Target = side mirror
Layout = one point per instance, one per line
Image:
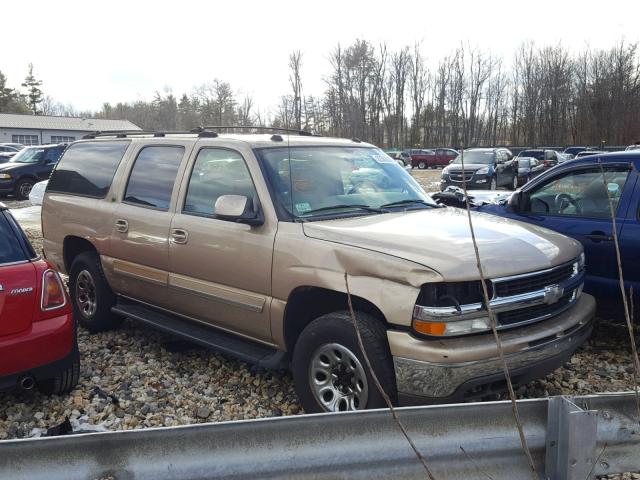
(239, 209)
(516, 201)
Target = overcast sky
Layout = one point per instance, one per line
(87, 53)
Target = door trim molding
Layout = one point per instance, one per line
(217, 292)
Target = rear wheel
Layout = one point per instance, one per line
(329, 370)
(65, 380)
(23, 188)
(91, 295)
(422, 165)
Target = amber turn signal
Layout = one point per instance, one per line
(429, 328)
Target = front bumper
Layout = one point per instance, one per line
(44, 343)
(457, 369)
(7, 186)
(477, 182)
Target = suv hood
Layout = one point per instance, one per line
(6, 167)
(439, 239)
(467, 166)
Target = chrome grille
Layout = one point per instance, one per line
(525, 315)
(531, 282)
(458, 176)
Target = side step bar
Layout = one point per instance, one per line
(210, 337)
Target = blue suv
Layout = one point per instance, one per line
(572, 199)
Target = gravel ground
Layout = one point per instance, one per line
(135, 377)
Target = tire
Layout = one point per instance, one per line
(422, 165)
(23, 188)
(91, 295)
(65, 380)
(493, 185)
(335, 332)
(514, 183)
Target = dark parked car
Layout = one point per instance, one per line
(571, 199)
(528, 168)
(484, 168)
(6, 156)
(573, 151)
(588, 153)
(549, 158)
(6, 148)
(28, 167)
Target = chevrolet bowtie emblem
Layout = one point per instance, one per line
(552, 294)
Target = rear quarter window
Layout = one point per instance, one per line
(87, 168)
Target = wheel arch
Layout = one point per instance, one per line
(307, 303)
(72, 247)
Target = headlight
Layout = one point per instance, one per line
(450, 308)
(5, 176)
(483, 171)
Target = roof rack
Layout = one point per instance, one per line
(304, 133)
(208, 131)
(156, 133)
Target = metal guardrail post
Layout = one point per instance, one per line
(571, 440)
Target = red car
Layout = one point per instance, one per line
(434, 158)
(38, 346)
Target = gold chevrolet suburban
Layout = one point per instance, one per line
(241, 242)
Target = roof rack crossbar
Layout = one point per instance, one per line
(133, 133)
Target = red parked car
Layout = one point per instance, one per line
(38, 346)
(434, 158)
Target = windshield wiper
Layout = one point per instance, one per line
(408, 202)
(339, 207)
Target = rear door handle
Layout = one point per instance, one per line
(122, 225)
(179, 235)
(599, 237)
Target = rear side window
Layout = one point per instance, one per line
(10, 250)
(88, 168)
(153, 175)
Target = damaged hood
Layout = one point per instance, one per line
(440, 239)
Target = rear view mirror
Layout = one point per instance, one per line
(237, 208)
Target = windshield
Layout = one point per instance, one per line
(483, 157)
(28, 155)
(320, 181)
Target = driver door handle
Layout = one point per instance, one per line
(179, 235)
(122, 225)
(598, 236)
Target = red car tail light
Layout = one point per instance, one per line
(53, 294)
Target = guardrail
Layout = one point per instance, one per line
(570, 438)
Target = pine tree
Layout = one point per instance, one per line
(34, 93)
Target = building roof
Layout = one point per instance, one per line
(48, 122)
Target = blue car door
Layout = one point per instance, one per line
(630, 239)
(575, 203)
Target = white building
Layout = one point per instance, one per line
(43, 129)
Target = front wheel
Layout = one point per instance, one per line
(329, 370)
(514, 183)
(422, 165)
(494, 184)
(23, 188)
